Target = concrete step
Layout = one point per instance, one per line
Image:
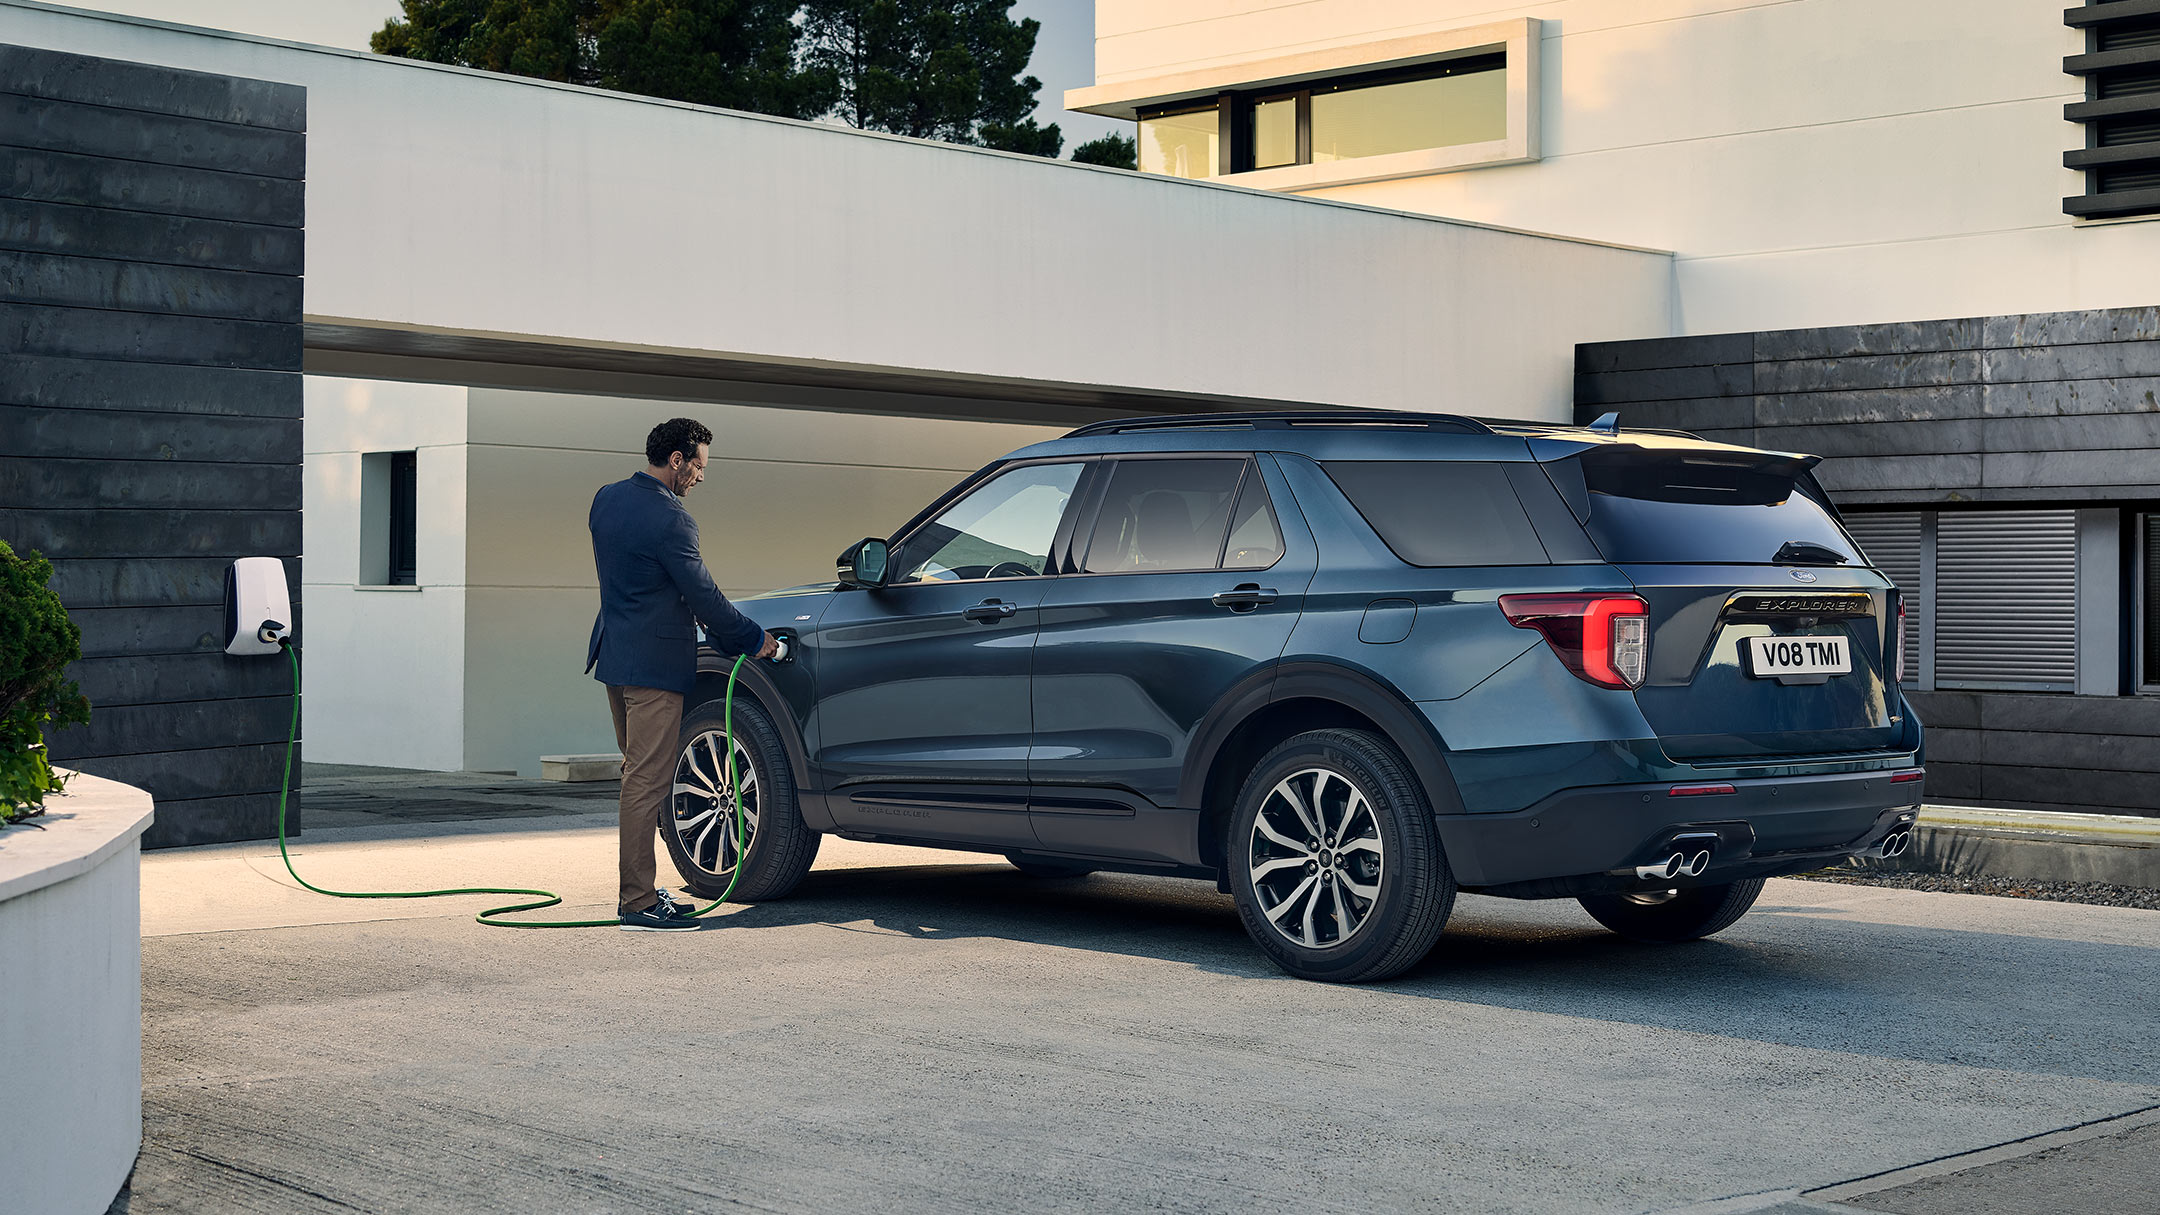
(2041, 846)
(580, 767)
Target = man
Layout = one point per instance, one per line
(653, 589)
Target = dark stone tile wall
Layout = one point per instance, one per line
(151, 231)
(2048, 408)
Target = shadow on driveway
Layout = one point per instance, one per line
(1807, 977)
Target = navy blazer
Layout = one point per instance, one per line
(653, 590)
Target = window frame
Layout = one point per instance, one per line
(1517, 40)
(2141, 604)
(1059, 536)
(1084, 527)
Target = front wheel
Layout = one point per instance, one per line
(705, 838)
(1664, 916)
(1334, 859)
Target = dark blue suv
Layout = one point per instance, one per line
(1344, 664)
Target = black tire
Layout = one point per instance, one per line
(701, 842)
(1680, 915)
(1414, 889)
(1040, 867)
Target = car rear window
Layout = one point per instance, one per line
(1674, 507)
(1435, 514)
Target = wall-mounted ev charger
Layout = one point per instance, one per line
(258, 611)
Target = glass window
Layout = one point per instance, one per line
(1255, 540)
(1439, 112)
(1164, 515)
(1001, 529)
(1274, 133)
(1434, 513)
(1180, 145)
(1663, 507)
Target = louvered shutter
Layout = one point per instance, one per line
(1890, 540)
(2006, 599)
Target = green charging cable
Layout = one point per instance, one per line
(542, 898)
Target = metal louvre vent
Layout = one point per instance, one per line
(2120, 70)
(1890, 540)
(2006, 600)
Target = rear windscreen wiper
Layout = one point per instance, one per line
(1807, 552)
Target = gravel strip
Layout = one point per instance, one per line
(2099, 894)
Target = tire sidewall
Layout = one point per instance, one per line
(1402, 860)
(776, 793)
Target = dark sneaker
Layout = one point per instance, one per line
(667, 915)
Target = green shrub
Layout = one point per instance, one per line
(37, 642)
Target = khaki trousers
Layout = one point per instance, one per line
(647, 723)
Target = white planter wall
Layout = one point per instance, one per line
(71, 999)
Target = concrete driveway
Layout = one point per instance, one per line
(924, 1031)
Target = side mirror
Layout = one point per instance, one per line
(863, 564)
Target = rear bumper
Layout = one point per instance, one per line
(1589, 840)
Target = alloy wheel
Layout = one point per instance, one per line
(1315, 858)
(704, 807)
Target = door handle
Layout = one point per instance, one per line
(1246, 597)
(989, 611)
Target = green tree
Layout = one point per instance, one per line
(947, 71)
(37, 642)
(734, 53)
(1115, 150)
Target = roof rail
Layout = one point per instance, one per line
(1514, 424)
(1287, 418)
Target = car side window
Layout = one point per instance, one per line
(1255, 538)
(1164, 515)
(1000, 529)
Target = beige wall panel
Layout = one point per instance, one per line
(1149, 37)
(619, 424)
(1942, 173)
(383, 677)
(330, 519)
(762, 524)
(2043, 270)
(381, 415)
(526, 693)
(383, 672)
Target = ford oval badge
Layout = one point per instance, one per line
(1801, 575)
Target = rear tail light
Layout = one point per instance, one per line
(1602, 638)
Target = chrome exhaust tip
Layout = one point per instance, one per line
(1899, 842)
(1698, 863)
(1671, 867)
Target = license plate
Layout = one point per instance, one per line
(1769, 657)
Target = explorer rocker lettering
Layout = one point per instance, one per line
(1344, 664)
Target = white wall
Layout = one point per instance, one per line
(383, 668)
(443, 199)
(785, 491)
(1810, 162)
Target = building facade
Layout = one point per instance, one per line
(1915, 239)
(508, 281)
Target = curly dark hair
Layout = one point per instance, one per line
(673, 435)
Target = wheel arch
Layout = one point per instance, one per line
(711, 686)
(1291, 699)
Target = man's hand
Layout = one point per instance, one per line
(770, 648)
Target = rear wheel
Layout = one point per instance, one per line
(1334, 859)
(1661, 916)
(703, 835)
